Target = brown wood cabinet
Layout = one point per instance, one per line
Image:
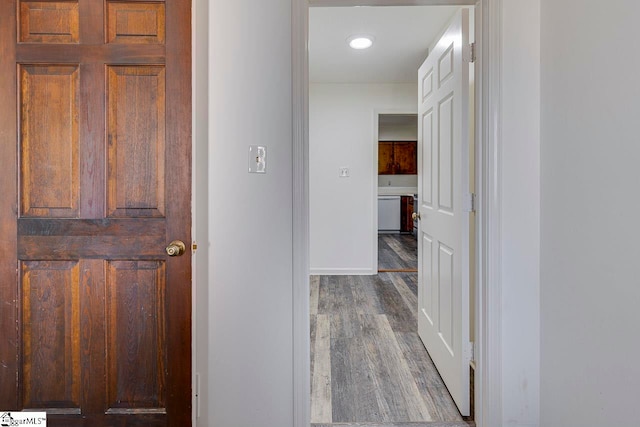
(385, 158)
(406, 212)
(397, 158)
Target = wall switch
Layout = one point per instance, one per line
(343, 172)
(257, 159)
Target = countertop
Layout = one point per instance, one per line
(397, 191)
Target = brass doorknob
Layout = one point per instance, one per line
(415, 215)
(176, 248)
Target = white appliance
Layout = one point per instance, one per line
(389, 213)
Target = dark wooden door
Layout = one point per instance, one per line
(95, 149)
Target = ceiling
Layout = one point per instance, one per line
(402, 37)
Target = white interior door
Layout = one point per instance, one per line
(443, 249)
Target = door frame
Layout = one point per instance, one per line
(488, 292)
(377, 112)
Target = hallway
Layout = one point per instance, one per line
(368, 365)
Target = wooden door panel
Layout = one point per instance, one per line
(136, 139)
(136, 343)
(135, 22)
(49, 141)
(48, 22)
(96, 324)
(50, 334)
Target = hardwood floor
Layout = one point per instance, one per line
(369, 367)
(397, 252)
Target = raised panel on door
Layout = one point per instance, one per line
(426, 159)
(136, 140)
(48, 21)
(49, 140)
(135, 22)
(429, 296)
(446, 65)
(426, 84)
(445, 283)
(50, 335)
(136, 342)
(96, 324)
(445, 154)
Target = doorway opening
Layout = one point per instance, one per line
(354, 312)
(396, 178)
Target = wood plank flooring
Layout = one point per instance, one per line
(397, 252)
(368, 363)
(369, 367)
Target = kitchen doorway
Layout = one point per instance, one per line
(396, 175)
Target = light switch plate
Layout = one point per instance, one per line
(257, 159)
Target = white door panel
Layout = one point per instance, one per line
(443, 318)
(426, 157)
(428, 292)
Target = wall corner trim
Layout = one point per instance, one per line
(300, 188)
(489, 175)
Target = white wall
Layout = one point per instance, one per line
(398, 181)
(398, 132)
(590, 235)
(520, 213)
(250, 216)
(341, 134)
(249, 301)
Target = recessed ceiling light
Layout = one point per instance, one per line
(360, 42)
